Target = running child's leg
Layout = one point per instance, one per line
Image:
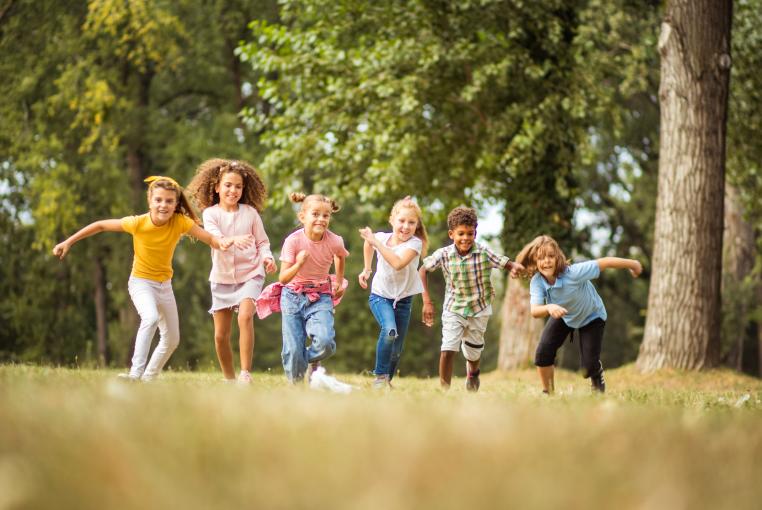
(222, 327)
(294, 353)
(384, 313)
(590, 343)
(320, 330)
(552, 338)
(169, 332)
(472, 348)
(144, 298)
(453, 327)
(402, 320)
(246, 331)
(446, 362)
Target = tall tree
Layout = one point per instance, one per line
(683, 322)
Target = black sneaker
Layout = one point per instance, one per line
(598, 382)
(472, 381)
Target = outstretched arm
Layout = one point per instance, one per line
(514, 268)
(213, 241)
(632, 265)
(115, 225)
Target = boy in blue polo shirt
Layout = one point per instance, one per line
(564, 292)
(466, 265)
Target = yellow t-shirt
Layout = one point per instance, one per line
(154, 246)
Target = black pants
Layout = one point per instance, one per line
(590, 340)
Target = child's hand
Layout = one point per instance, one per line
(270, 266)
(556, 311)
(367, 234)
(337, 290)
(636, 269)
(516, 269)
(61, 250)
(302, 256)
(243, 242)
(225, 243)
(363, 279)
(428, 314)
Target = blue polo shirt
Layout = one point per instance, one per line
(572, 290)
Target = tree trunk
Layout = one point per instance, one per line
(519, 333)
(738, 262)
(101, 307)
(683, 323)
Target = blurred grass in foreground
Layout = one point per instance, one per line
(83, 439)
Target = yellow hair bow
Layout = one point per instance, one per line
(155, 178)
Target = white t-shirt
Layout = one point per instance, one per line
(390, 283)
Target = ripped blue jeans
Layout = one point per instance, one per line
(302, 320)
(394, 322)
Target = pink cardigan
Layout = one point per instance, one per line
(236, 265)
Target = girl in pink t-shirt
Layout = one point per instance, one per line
(231, 195)
(306, 300)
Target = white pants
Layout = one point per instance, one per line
(157, 308)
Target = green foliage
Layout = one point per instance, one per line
(152, 81)
(443, 99)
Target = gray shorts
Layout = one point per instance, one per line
(229, 295)
(464, 333)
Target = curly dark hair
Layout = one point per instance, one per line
(209, 174)
(461, 216)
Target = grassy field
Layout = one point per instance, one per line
(84, 439)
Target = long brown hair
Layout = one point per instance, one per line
(540, 247)
(209, 175)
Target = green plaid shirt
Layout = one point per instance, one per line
(468, 288)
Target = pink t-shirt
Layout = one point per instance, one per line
(318, 264)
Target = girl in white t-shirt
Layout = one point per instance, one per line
(395, 283)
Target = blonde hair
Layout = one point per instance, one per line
(183, 204)
(420, 229)
(305, 200)
(540, 247)
(209, 174)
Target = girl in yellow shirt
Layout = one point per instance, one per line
(154, 238)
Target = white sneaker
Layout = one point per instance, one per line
(244, 378)
(320, 380)
(126, 376)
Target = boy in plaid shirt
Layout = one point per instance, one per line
(466, 265)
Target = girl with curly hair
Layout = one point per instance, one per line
(231, 195)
